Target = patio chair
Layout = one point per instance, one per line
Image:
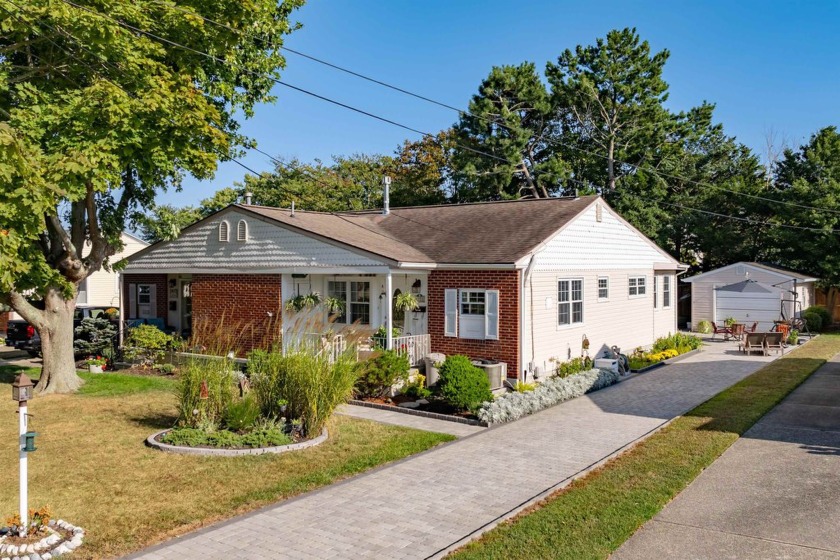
(737, 331)
(725, 331)
(753, 327)
(754, 342)
(774, 340)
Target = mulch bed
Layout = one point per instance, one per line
(436, 405)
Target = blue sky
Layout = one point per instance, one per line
(768, 66)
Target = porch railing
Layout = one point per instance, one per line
(415, 346)
(333, 345)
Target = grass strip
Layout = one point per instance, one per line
(594, 515)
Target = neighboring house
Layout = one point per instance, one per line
(750, 292)
(523, 282)
(102, 288)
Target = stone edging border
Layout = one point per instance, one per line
(423, 413)
(152, 441)
(53, 545)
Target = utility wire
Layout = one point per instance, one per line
(463, 112)
(324, 98)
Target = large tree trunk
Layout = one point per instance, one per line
(56, 331)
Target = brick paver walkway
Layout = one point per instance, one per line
(427, 504)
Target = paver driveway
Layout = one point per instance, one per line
(423, 506)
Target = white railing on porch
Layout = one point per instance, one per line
(415, 347)
(332, 345)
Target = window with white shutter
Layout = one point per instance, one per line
(491, 315)
(450, 327)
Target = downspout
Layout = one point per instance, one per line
(389, 306)
(526, 278)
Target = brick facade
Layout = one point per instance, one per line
(158, 280)
(506, 349)
(248, 305)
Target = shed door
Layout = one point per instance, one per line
(748, 308)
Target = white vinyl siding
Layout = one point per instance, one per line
(103, 286)
(269, 247)
(636, 286)
(621, 321)
(471, 314)
(569, 301)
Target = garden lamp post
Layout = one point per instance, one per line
(22, 392)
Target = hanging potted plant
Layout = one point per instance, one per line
(406, 302)
(334, 306)
(303, 301)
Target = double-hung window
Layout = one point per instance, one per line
(357, 306)
(569, 302)
(471, 313)
(636, 286)
(666, 291)
(603, 288)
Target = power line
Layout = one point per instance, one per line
(729, 217)
(221, 61)
(502, 125)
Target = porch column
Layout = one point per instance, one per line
(389, 311)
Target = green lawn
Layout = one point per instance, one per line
(93, 469)
(596, 514)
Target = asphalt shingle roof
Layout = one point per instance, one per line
(481, 233)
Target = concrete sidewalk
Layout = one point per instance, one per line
(428, 504)
(774, 494)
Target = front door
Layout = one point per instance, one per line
(186, 308)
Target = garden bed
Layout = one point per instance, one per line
(667, 361)
(51, 541)
(155, 442)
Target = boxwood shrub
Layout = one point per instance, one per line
(462, 385)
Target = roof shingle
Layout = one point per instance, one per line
(480, 233)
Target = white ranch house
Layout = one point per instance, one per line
(523, 282)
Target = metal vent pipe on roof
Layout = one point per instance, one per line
(386, 200)
(248, 196)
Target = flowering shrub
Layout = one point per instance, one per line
(513, 406)
(97, 361)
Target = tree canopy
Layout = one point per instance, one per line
(98, 115)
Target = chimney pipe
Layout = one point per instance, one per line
(248, 196)
(293, 209)
(386, 181)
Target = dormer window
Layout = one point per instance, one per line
(242, 231)
(224, 231)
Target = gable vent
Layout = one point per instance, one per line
(599, 213)
(224, 231)
(242, 231)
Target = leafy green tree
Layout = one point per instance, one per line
(349, 183)
(165, 221)
(96, 119)
(423, 169)
(512, 119)
(609, 97)
(810, 177)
